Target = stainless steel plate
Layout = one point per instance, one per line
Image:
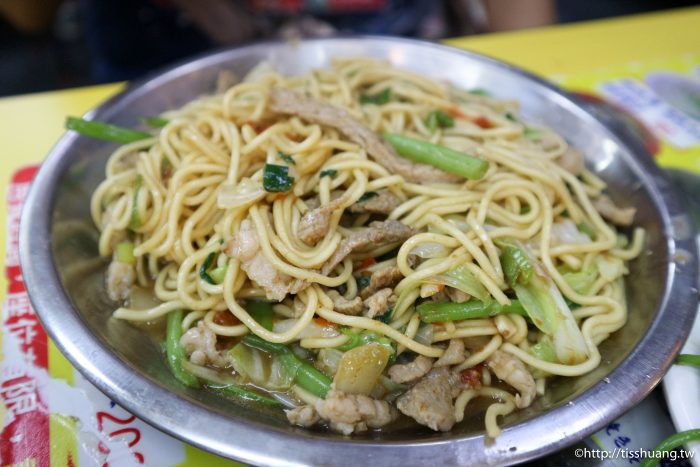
(65, 278)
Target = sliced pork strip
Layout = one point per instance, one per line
(512, 370)
(454, 354)
(200, 344)
(246, 248)
(304, 415)
(430, 401)
(353, 413)
(120, 278)
(383, 278)
(383, 203)
(343, 305)
(316, 223)
(377, 234)
(379, 303)
(412, 371)
(313, 110)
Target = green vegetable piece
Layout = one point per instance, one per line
(480, 92)
(586, 229)
(431, 312)
(688, 359)
(531, 132)
(581, 281)
(362, 282)
(305, 375)
(367, 196)
(218, 274)
(463, 279)
(105, 131)
(543, 302)
(174, 351)
(135, 219)
(516, 266)
(328, 173)
(155, 122)
(386, 317)
(510, 116)
(440, 157)
(438, 119)
(669, 444)
(261, 312)
(286, 157)
(380, 98)
(276, 178)
(204, 268)
(544, 350)
(250, 395)
(125, 252)
(367, 337)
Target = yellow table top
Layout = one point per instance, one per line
(30, 124)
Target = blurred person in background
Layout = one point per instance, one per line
(129, 37)
(123, 39)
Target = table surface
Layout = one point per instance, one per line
(31, 124)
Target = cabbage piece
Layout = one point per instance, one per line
(610, 267)
(581, 281)
(566, 232)
(429, 250)
(545, 305)
(328, 361)
(260, 369)
(462, 279)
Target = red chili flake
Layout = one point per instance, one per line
(323, 322)
(225, 318)
(367, 262)
(456, 113)
(483, 122)
(472, 376)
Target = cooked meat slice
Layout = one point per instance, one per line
(316, 223)
(245, 247)
(620, 216)
(313, 110)
(120, 278)
(343, 305)
(408, 372)
(348, 413)
(511, 370)
(383, 203)
(454, 354)
(377, 234)
(304, 415)
(200, 344)
(430, 401)
(379, 303)
(571, 161)
(386, 277)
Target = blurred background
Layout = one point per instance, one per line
(53, 44)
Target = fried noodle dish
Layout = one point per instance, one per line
(361, 244)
